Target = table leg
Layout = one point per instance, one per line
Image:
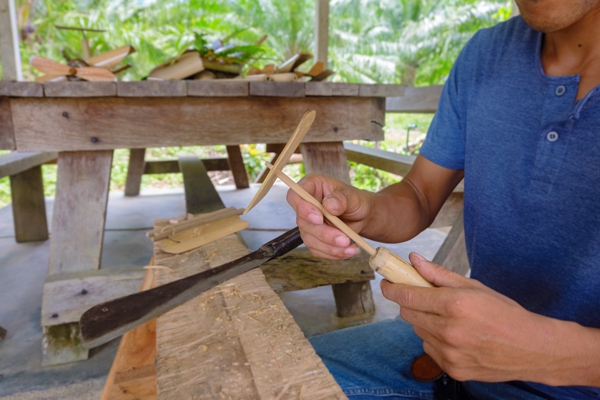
(238, 169)
(330, 159)
(77, 236)
(135, 170)
(29, 207)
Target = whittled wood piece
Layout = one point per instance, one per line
(203, 234)
(338, 223)
(284, 156)
(163, 232)
(383, 261)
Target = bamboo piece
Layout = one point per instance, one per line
(111, 58)
(180, 67)
(206, 234)
(383, 261)
(286, 77)
(288, 150)
(168, 230)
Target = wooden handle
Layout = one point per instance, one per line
(338, 223)
(395, 269)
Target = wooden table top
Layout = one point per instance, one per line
(82, 116)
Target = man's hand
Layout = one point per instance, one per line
(350, 204)
(475, 333)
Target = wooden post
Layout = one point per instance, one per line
(321, 30)
(10, 54)
(453, 253)
(330, 159)
(29, 207)
(238, 169)
(135, 170)
(76, 245)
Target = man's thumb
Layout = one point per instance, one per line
(434, 273)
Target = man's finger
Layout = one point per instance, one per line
(438, 275)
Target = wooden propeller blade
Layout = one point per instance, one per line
(50, 67)
(94, 74)
(288, 150)
(111, 58)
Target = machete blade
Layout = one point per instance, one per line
(111, 319)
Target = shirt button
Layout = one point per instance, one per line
(560, 90)
(552, 136)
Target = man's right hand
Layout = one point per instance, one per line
(350, 204)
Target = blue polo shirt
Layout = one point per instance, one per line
(531, 156)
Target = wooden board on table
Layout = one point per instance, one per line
(235, 341)
(111, 123)
(80, 89)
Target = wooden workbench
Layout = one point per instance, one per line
(86, 121)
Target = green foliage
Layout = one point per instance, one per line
(413, 42)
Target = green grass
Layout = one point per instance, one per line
(254, 158)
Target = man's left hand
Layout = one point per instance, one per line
(472, 331)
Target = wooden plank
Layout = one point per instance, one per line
(200, 194)
(416, 100)
(217, 88)
(133, 372)
(453, 253)
(299, 270)
(172, 166)
(378, 111)
(345, 89)
(330, 159)
(2, 333)
(235, 341)
(68, 296)
(80, 89)
(135, 170)
(79, 211)
(10, 53)
(238, 169)
(381, 90)
(152, 89)
(388, 161)
(321, 30)
(29, 206)
(319, 88)
(21, 89)
(277, 89)
(17, 162)
(111, 123)
(7, 136)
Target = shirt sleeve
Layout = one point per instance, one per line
(445, 141)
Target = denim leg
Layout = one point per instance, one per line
(373, 361)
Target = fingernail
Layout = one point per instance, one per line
(333, 203)
(315, 218)
(342, 241)
(351, 251)
(418, 256)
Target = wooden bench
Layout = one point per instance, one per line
(156, 360)
(138, 166)
(27, 193)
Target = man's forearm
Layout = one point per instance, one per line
(398, 214)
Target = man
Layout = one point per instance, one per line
(519, 119)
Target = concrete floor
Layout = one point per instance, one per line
(23, 269)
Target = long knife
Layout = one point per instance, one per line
(111, 319)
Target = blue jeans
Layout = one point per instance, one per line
(373, 361)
